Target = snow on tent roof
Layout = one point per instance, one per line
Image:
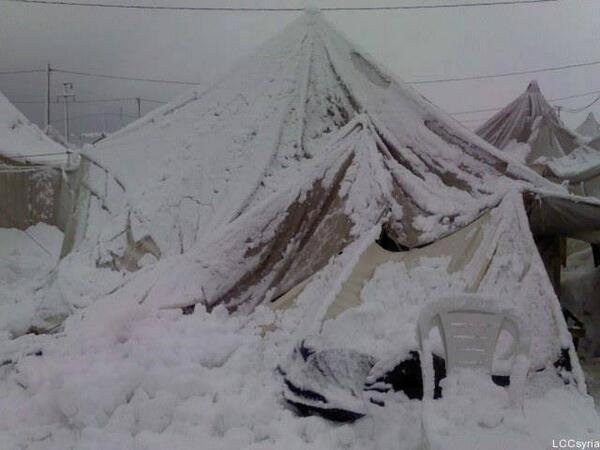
(589, 127)
(23, 141)
(199, 162)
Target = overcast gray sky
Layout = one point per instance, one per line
(199, 46)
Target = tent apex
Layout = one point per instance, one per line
(533, 86)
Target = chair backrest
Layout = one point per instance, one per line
(470, 337)
(470, 326)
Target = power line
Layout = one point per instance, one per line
(95, 100)
(17, 72)
(416, 82)
(578, 110)
(277, 9)
(119, 77)
(508, 74)
(554, 99)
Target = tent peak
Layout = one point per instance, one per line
(533, 87)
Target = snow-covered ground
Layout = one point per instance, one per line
(26, 259)
(126, 375)
(25, 254)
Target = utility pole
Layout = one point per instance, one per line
(139, 106)
(48, 70)
(66, 95)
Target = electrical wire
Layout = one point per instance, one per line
(99, 100)
(507, 74)
(278, 9)
(578, 110)
(120, 77)
(16, 72)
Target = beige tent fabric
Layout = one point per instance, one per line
(495, 255)
(294, 234)
(551, 215)
(460, 246)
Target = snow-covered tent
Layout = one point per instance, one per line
(285, 187)
(589, 127)
(172, 178)
(530, 130)
(22, 141)
(362, 243)
(362, 182)
(30, 181)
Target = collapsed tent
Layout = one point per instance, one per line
(589, 127)
(380, 294)
(30, 180)
(169, 180)
(314, 255)
(529, 129)
(282, 219)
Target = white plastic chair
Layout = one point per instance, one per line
(470, 326)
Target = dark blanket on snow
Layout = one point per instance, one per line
(338, 383)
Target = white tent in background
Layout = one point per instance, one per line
(530, 130)
(589, 127)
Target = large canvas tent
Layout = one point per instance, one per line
(358, 148)
(529, 129)
(315, 254)
(345, 232)
(170, 179)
